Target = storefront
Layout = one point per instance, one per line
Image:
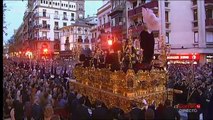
(183, 59)
(209, 58)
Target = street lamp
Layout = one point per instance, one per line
(45, 51)
(29, 54)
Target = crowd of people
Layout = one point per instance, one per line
(40, 90)
(196, 83)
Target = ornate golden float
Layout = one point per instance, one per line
(119, 89)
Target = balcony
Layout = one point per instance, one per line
(42, 26)
(107, 25)
(168, 25)
(209, 24)
(117, 9)
(46, 26)
(195, 24)
(56, 17)
(117, 28)
(135, 29)
(131, 12)
(138, 10)
(208, 1)
(93, 40)
(56, 28)
(56, 39)
(65, 18)
(43, 38)
(41, 15)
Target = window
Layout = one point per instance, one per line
(56, 26)
(50, 3)
(46, 2)
(62, 5)
(209, 13)
(67, 44)
(72, 16)
(195, 14)
(56, 15)
(85, 30)
(79, 29)
(167, 16)
(65, 15)
(44, 22)
(70, 6)
(67, 40)
(44, 34)
(64, 24)
(194, 2)
(80, 39)
(86, 40)
(41, 1)
(56, 35)
(196, 37)
(167, 37)
(209, 37)
(66, 5)
(44, 12)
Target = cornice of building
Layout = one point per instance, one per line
(54, 8)
(99, 12)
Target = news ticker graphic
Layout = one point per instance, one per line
(189, 108)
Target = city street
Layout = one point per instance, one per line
(108, 59)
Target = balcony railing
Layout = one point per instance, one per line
(195, 24)
(56, 17)
(56, 28)
(107, 25)
(65, 18)
(131, 12)
(93, 40)
(138, 10)
(42, 26)
(36, 15)
(209, 22)
(136, 29)
(208, 1)
(42, 38)
(194, 2)
(167, 25)
(117, 28)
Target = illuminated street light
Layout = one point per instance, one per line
(110, 42)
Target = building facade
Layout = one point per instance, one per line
(189, 35)
(76, 36)
(42, 21)
(104, 24)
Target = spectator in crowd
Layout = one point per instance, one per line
(173, 113)
(100, 112)
(136, 113)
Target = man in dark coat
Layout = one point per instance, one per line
(136, 113)
(210, 109)
(37, 112)
(173, 113)
(147, 43)
(19, 110)
(100, 112)
(82, 110)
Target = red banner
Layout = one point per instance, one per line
(183, 57)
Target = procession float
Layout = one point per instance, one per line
(118, 88)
